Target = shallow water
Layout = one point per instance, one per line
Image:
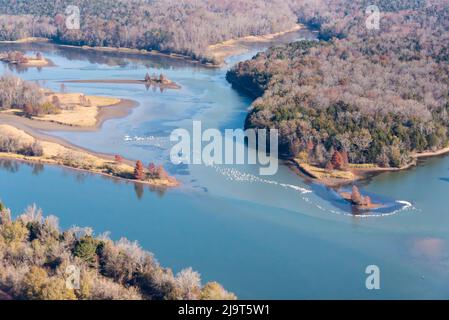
(261, 237)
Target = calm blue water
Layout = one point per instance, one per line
(270, 237)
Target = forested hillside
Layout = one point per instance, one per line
(185, 27)
(377, 95)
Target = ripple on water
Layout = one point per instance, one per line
(339, 206)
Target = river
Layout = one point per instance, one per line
(261, 237)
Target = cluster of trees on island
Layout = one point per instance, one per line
(17, 57)
(155, 78)
(39, 261)
(29, 97)
(186, 27)
(141, 173)
(377, 96)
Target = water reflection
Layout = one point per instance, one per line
(9, 165)
(38, 168)
(14, 166)
(138, 189)
(109, 58)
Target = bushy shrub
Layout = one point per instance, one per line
(86, 249)
(33, 150)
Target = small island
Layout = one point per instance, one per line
(359, 201)
(20, 59)
(155, 81)
(26, 109)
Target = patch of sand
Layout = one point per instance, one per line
(78, 109)
(26, 40)
(225, 49)
(431, 153)
(321, 173)
(33, 62)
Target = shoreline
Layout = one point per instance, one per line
(239, 45)
(44, 138)
(361, 174)
(171, 55)
(30, 160)
(26, 40)
(228, 48)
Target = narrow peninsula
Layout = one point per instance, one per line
(30, 109)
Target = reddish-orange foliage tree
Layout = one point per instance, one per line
(367, 201)
(337, 160)
(118, 158)
(161, 173)
(138, 171)
(356, 197)
(329, 166)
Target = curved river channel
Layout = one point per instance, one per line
(260, 236)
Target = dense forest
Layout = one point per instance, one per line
(185, 27)
(37, 260)
(376, 95)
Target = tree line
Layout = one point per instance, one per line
(186, 27)
(37, 260)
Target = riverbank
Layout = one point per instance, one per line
(355, 172)
(223, 50)
(55, 151)
(26, 40)
(217, 53)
